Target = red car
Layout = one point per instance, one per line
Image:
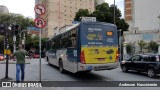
(1, 57)
(36, 56)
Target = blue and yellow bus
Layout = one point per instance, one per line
(84, 46)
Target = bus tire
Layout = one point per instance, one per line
(61, 66)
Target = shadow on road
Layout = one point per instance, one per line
(83, 76)
(142, 74)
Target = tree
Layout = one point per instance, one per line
(80, 13)
(16, 19)
(105, 13)
(142, 44)
(153, 47)
(129, 48)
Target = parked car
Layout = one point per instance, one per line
(1, 57)
(149, 63)
(36, 55)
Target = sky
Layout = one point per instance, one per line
(26, 7)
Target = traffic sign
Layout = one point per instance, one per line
(7, 51)
(32, 28)
(39, 22)
(39, 9)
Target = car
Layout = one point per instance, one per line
(1, 57)
(149, 63)
(36, 55)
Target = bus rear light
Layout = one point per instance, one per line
(117, 55)
(82, 57)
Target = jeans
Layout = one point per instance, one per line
(20, 67)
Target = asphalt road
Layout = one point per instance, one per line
(51, 73)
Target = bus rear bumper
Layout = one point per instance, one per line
(97, 67)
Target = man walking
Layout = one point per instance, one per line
(20, 65)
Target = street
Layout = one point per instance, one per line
(51, 73)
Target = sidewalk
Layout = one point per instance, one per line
(31, 70)
(14, 62)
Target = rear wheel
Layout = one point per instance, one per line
(124, 68)
(151, 73)
(61, 66)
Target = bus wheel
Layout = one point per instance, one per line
(61, 66)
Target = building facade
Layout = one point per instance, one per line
(97, 2)
(60, 13)
(142, 14)
(3, 9)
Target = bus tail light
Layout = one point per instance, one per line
(117, 56)
(82, 57)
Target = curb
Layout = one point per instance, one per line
(12, 62)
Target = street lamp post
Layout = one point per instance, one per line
(159, 33)
(114, 12)
(120, 45)
(159, 20)
(20, 41)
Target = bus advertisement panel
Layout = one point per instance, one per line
(99, 43)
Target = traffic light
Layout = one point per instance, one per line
(2, 30)
(15, 28)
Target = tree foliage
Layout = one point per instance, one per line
(153, 46)
(8, 19)
(129, 48)
(105, 13)
(142, 44)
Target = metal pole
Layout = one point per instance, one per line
(20, 41)
(120, 46)
(24, 40)
(40, 55)
(4, 47)
(7, 57)
(114, 12)
(14, 43)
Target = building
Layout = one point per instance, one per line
(142, 14)
(97, 2)
(3, 9)
(60, 13)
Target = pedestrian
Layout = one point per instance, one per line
(20, 64)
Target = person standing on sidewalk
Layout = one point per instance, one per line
(20, 65)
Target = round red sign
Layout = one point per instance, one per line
(39, 22)
(39, 9)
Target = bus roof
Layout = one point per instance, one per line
(102, 23)
(76, 25)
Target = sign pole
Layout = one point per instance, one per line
(40, 54)
(39, 23)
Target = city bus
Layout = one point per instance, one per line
(85, 46)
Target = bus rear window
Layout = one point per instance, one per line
(98, 35)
